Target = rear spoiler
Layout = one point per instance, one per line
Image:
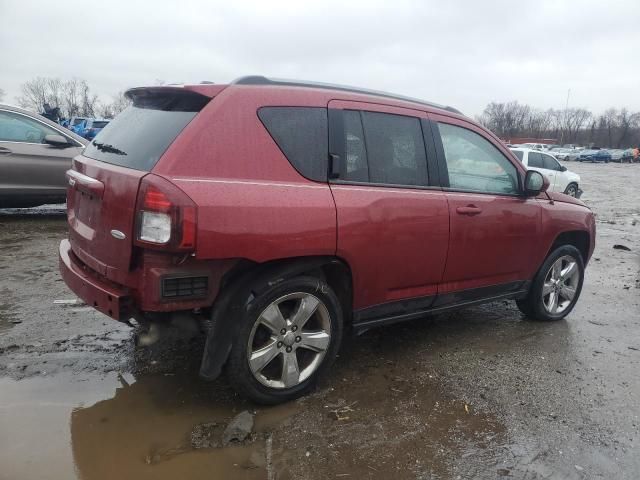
(207, 90)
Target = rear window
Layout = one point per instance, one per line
(139, 135)
(518, 153)
(302, 135)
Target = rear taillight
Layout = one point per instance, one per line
(165, 216)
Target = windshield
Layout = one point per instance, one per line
(98, 124)
(139, 135)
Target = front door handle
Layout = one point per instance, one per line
(5, 151)
(469, 210)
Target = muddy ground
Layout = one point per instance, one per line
(481, 393)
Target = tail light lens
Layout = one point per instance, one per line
(166, 217)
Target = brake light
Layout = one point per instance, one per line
(166, 217)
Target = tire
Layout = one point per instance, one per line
(539, 306)
(571, 190)
(265, 381)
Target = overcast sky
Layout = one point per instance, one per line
(460, 53)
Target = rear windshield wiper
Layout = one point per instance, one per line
(105, 147)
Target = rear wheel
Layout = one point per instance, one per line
(290, 335)
(556, 287)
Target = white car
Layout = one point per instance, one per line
(534, 146)
(567, 154)
(560, 179)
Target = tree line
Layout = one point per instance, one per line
(74, 97)
(614, 128)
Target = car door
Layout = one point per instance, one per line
(535, 161)
(393, 220)
(493, 227)
(556, 176)
(29, 168)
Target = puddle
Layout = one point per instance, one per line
(393, 423)
(68, 427)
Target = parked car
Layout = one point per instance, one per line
(280, 213)
(616, 154)
(594, 155)
(533, 146)
(565, 154)
(77, 124)
(93, 127)
(561, 180)
(35, 153)
(627, 155)
(621, 155)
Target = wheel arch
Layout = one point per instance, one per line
(577, 238)
(250, 279)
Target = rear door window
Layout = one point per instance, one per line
(395, 149)
(139, 135)
(302, 135)
(355, 166)
(383, 148)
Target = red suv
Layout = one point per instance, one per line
(281, 213)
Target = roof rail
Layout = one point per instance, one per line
(261, 80)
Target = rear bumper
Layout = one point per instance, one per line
(104, 297)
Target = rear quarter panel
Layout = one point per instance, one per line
(251, 202)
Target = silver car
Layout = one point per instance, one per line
(35, 153)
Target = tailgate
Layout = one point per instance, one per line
(101, 202)
(104, 180)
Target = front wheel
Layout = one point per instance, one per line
(572, 190)
(290, 335)
(556, 287)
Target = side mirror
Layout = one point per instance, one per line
(535, 183)
(56, 140)
(563, 168)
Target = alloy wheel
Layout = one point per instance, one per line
(289, 340)
(560, 284)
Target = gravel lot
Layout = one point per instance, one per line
(480, 393)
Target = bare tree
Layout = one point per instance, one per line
(40, 90)
(72, 97)
(574, 120)
(626, 122)
(118, 103)
(506, 119)
(88, 100)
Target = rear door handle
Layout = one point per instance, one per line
(469, 210)
(5, 151)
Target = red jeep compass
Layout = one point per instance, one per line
(280, 213)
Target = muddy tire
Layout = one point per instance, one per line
(289, 336)
(556, 287)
